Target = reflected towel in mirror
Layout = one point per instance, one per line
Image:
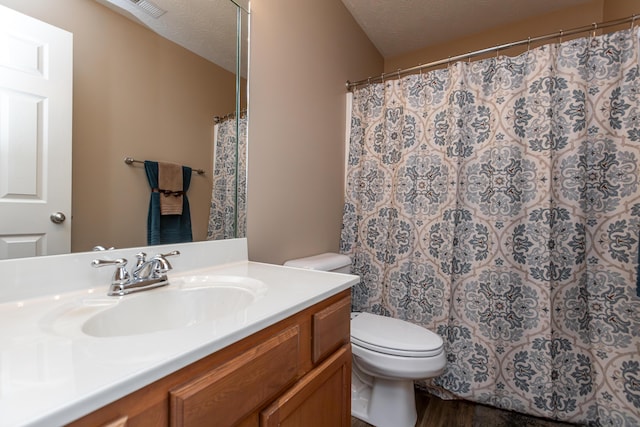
(165, 229)
(170, 188)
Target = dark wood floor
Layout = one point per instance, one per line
(435, 412)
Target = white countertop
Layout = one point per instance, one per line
(52, 373)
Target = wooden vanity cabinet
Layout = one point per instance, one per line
(296, 372)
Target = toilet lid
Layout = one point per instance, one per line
(393, 336)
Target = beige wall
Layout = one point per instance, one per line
(614, 9)
(302, 53)
(577, 16)
(135, 94)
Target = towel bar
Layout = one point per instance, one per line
(131, 160)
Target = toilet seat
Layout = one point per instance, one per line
(394, 336)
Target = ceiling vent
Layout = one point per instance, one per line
(149, 8)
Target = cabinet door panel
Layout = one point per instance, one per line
(227, 394)
(322, 398)
(331, 329)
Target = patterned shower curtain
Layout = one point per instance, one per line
(228, 200)
(498, 203)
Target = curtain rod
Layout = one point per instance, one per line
(218, 119)
(400, 72)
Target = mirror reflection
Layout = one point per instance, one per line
(138, 94)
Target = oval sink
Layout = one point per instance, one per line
(192, 301)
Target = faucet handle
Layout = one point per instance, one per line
(120, 262)
(162, 265)
(172, 253)
(121, 275)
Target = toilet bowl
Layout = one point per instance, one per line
(388, 355)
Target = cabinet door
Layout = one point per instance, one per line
(331, 329)
(322, 398)
(226, 395)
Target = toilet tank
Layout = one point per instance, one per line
(329, 261)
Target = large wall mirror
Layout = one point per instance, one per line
(169, 88)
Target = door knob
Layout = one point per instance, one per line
(57, 217)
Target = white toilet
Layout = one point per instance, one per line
(388, 355)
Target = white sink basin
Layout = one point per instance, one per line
(184, 302)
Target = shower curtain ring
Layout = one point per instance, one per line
(560, 38)
(633, 21)
(398, 73)
(528, 44)
(595, 27)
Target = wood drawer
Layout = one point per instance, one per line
(227, 394)
(331, 329)
(322, 398)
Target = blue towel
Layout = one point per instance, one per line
(165, 229)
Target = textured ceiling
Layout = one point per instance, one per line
(205, 27)
(399, 26)
(208, 27)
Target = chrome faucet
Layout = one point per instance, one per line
(147, 274)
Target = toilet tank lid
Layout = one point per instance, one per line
(323, 262)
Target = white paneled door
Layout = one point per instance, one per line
(36, 86)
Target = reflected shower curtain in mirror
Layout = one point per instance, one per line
(497, 203)
(227, 216)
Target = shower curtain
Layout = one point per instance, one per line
(227, 215)
(497, 203)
